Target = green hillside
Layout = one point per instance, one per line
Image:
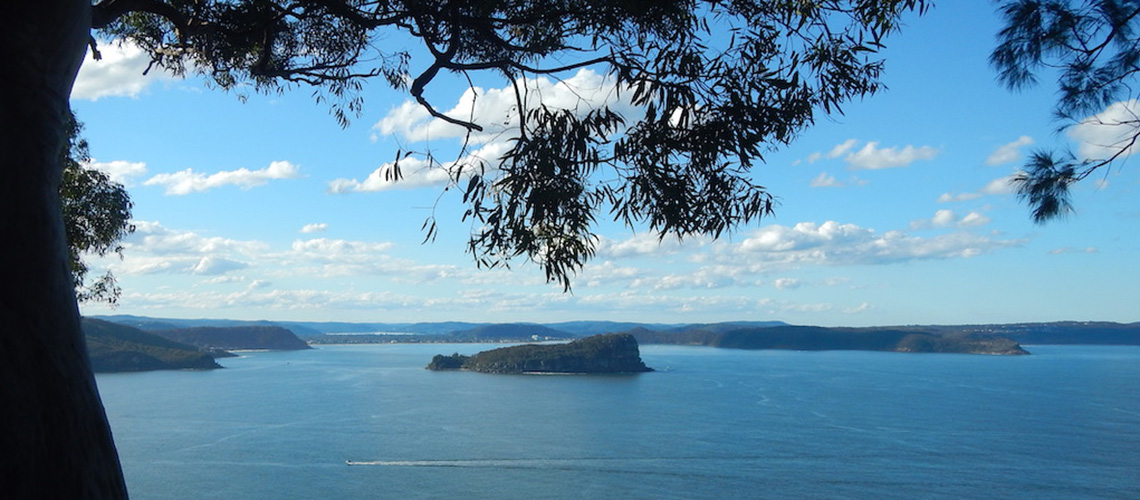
(118, 348)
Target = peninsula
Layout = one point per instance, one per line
(814, 338)
(118, 348)
(609, 353)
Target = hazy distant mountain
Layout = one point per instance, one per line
(816, 338)
(511, 332)
(1065, 332)
(1061, 332)
(120, 348)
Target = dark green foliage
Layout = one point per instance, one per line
(610, 353)
(1094, 48)
(96, 216)
(118, 348)
(718, 85)
(453, 362)
(241, 337)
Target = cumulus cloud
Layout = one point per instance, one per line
(119, 73)
(825, 180)
(947, 218)
(1001, 186)
(843, 148)
(954, 197)
(188, 181)
(1102, 135)
(213, 265)
(643, 244)
(496, 110)
(833, 243)
(418, 173)
(324, 248)
(835, 152)
(314, 228)
(119, 171)
(872, 157)
(154, 249)
(786, 283)
(1009, 152)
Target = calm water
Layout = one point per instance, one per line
(1063, 423)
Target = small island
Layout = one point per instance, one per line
(609, 353)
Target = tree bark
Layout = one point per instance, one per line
(54, 439)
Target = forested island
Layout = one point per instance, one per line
(607, 353)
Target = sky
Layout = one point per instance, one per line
(899, 211)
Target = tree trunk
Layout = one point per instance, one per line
(54, 439)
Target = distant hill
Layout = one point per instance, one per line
(120, 348)
(238, 337)
(1063, 332)
(611, 353)
(815, 338)
(510, 332)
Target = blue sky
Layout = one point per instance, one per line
(897, 212)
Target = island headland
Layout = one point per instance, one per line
(608, 353)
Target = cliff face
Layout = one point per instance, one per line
(613, 353)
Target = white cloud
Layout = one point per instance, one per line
(786, 283)
(947, 218)
(315, 227)
(942, 218)
(831, 243)
(496, 110)
(326, 249)
(1102, 135)
(643, 244)
(999, 186)
(153, 248)
(1068, 250)
(119, 73)
(119, 171)
(841, 149)
(953, 197)
(835, 152)
(1009, 152)
(973, 219)
(872, 157)
(417, 172)
(825, 180)
(213, 265)
(188, 181)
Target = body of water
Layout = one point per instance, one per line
(368, 422)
